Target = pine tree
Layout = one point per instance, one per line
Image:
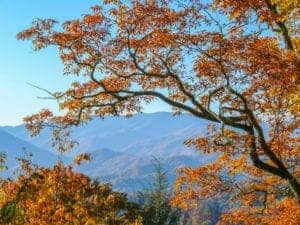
(156, 202)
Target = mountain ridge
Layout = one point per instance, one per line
(15, 147)
(122, 149)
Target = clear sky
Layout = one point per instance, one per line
(19, 64)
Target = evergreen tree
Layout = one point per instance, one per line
(155, 202)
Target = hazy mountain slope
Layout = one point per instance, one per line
(15, 147)
(128, 172)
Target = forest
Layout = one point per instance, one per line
(232, 63)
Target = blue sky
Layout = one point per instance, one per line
(19, 64)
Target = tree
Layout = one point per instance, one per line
(3, 165)
(232, 62)
(207, 213)
(62, 196)
(156, 208)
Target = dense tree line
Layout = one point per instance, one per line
(59, 195)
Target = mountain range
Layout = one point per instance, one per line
(14, 147)
(122, 149)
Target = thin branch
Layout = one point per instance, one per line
(53, 95)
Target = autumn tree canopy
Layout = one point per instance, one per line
(41, 196)
(232, 62)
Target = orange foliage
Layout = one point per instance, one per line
(62, 196)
